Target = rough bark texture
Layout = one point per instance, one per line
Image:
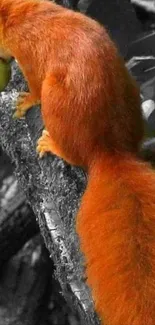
(53, 189)
(6, 169)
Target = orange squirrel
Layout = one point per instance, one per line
(91, 110)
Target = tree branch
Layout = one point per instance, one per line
(53, 189)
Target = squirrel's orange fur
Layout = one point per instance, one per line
(91, 110)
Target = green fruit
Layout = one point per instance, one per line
(5, 73)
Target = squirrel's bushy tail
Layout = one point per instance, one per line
(116, 226)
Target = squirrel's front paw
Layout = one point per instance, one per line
(43, 144)
(47, 144)
(24, 102)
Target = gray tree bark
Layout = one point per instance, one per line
(53, 190)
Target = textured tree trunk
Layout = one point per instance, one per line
(53, 190)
